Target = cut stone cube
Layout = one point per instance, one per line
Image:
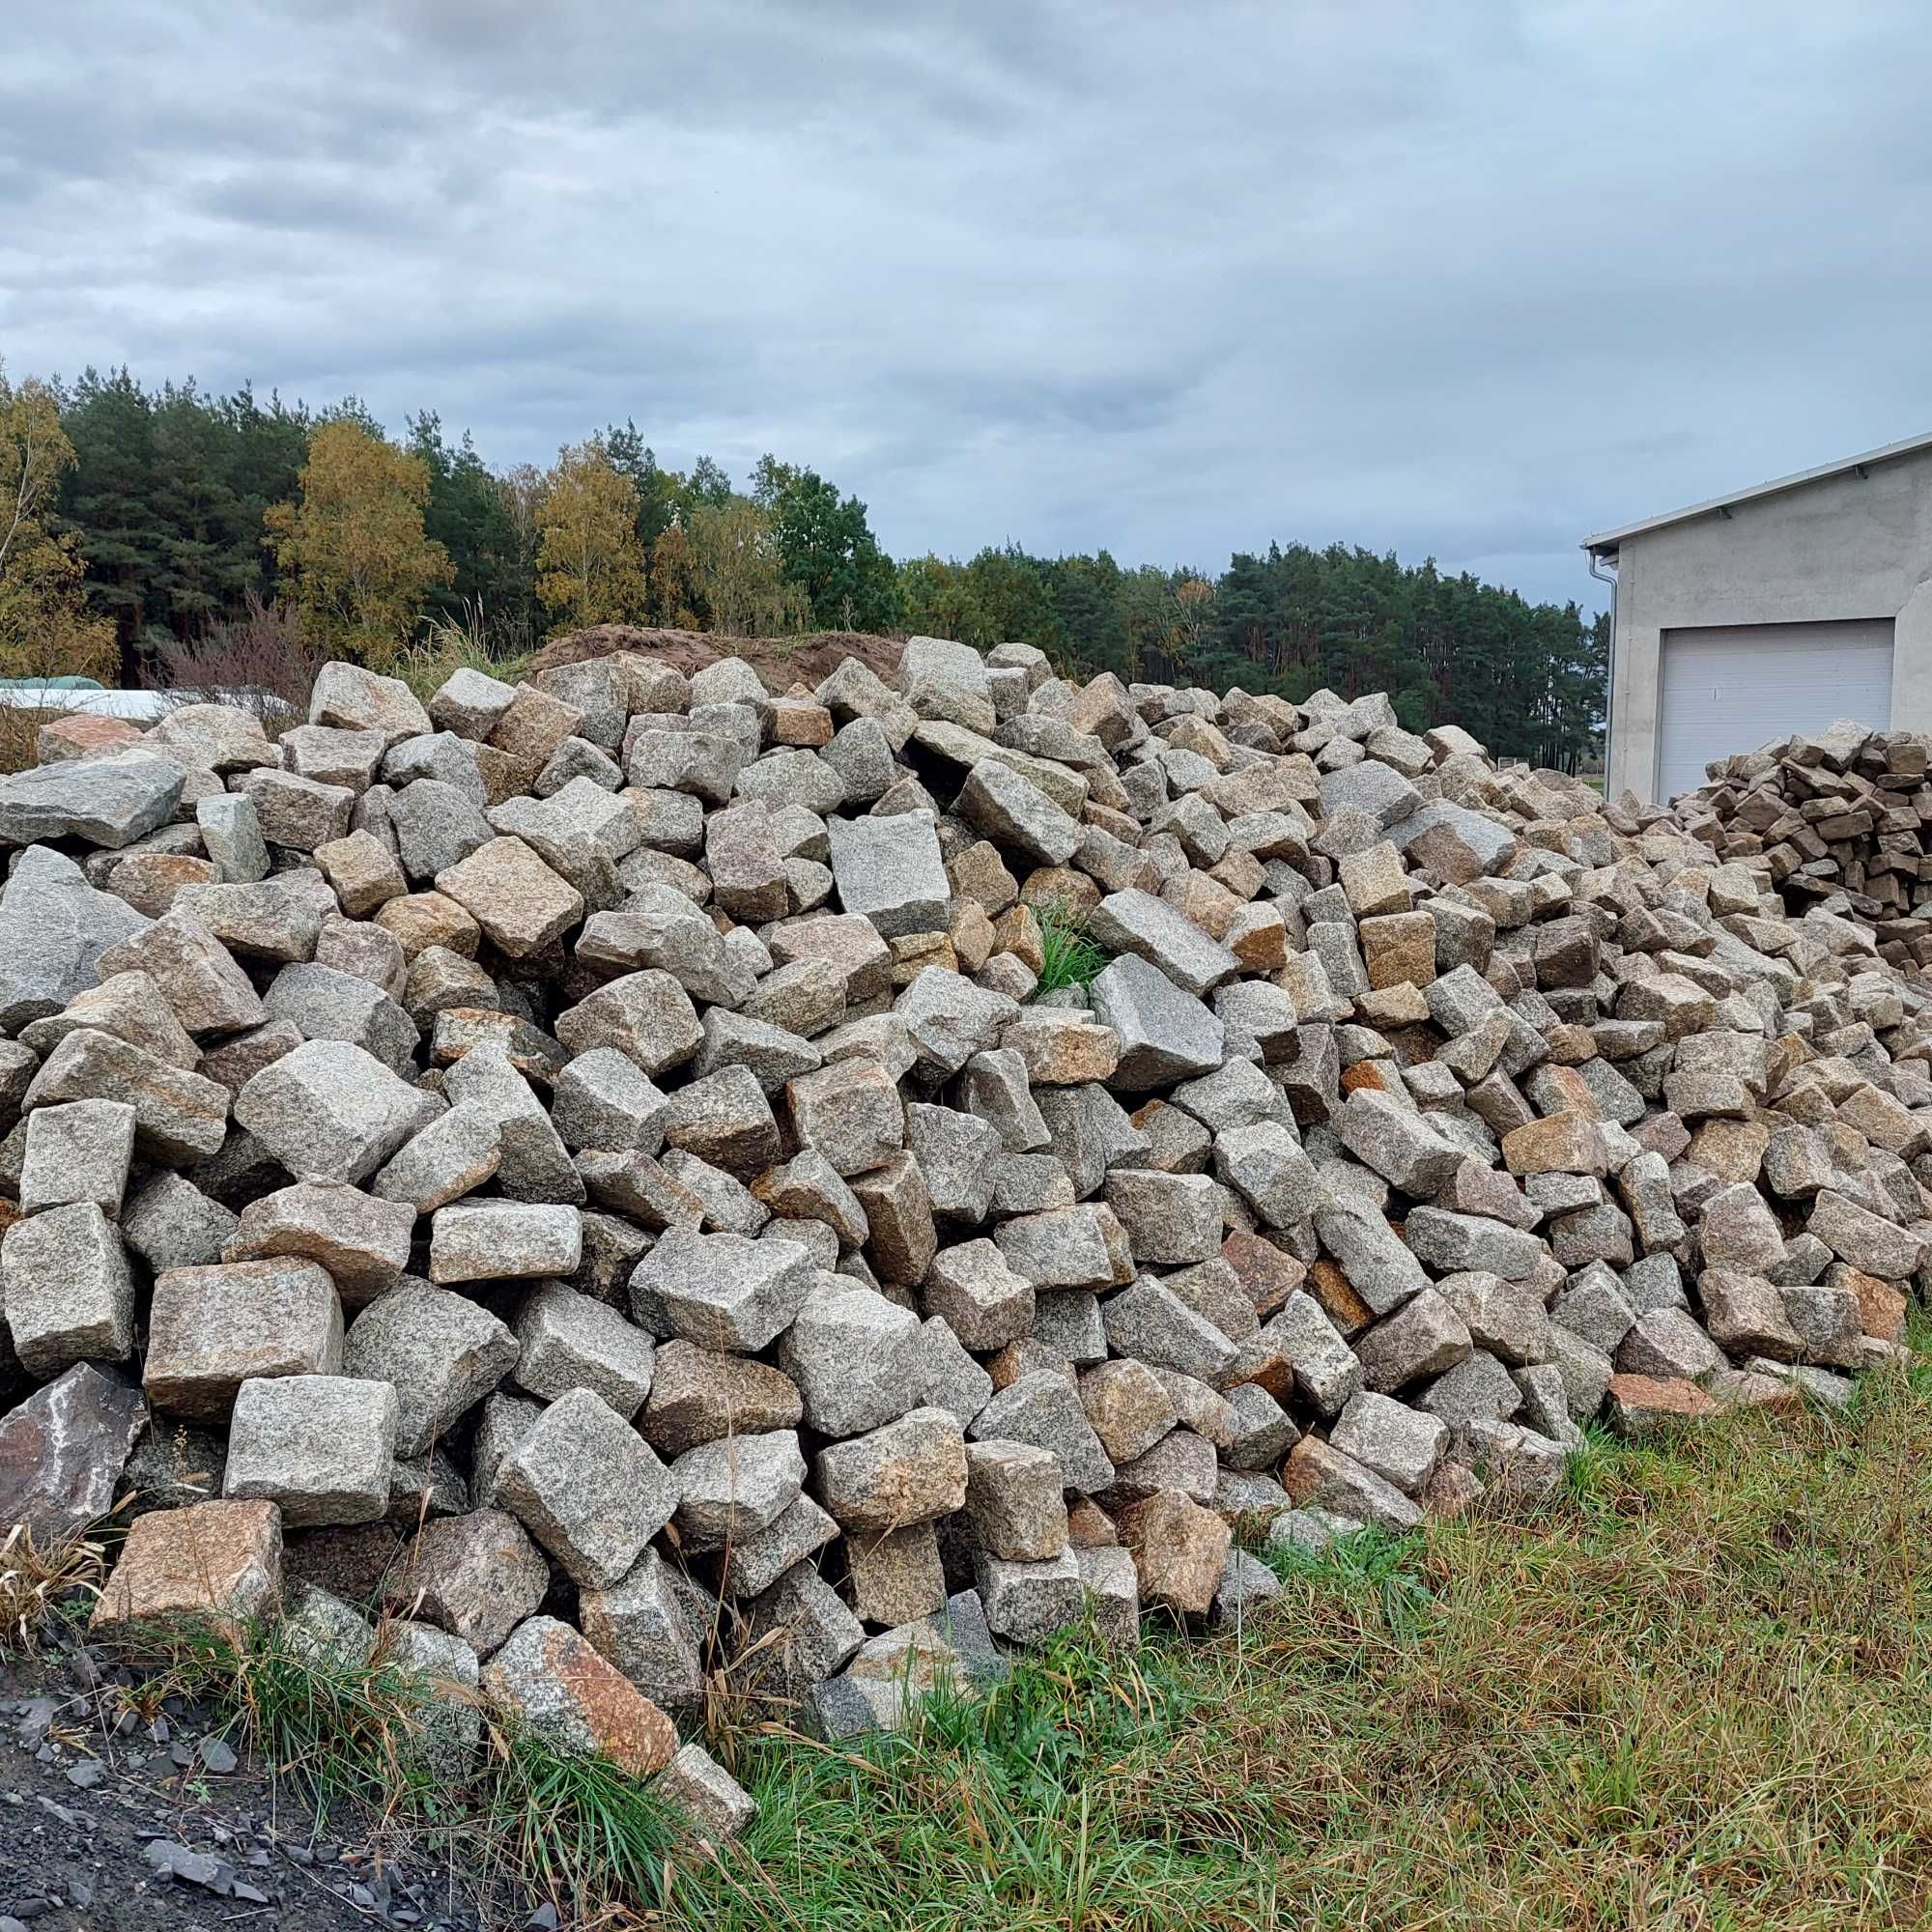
(558, 1685)
(518, 900)
(641, 1625)
(726, 1120)
(731, 1489)
(1028, 1602)
(902, 1239)
(1319, 1475)
(1067, 1247)
(328, 1110)
(1012, 813)
(1424, 1337)
(1170, 1219)
(1014, 1500)
(211, 1329)
(441, 1353)
(909, 1471)
(67, 1290)
(477, 1576)
(78, 1151)
(897, 1576)
(601, 1100)
(1151, 1323)
(503, 1241)
(985, 1302)
(570, 1341)
(1165, 1033)
(1396, 1442)
(722, 1291)
(363, 1242)
(889, 870)
(847, 1351)
(698, 1396)
(1138, 924)
(320, 1448)
(646, 1015)
(322, 1002)
(456, 1153)
(587, 1485)
(850, 1112)
(799, 1634)
(129, 1005)
(1179, 1551)
(220, 1560)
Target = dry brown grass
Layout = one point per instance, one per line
(19, 734)
(36, 1584)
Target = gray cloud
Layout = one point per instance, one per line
(1458, 281)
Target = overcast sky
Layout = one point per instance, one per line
(1468, 281)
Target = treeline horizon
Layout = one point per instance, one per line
(166, 516)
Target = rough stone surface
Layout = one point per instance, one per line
(441, 1353)
(890, 870)
(211, 1329)
(67, 1290)
(220, 1560)
(320, 1448)
(61, 1452)
(476, 1576)
(363, 1242)
(329, 1111)
(551, 1678)
(588, 1488)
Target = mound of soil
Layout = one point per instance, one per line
(781, 662)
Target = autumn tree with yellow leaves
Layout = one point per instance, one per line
(45, 629)
(352, 545)
(590, 565)
(740, 575)
(676, 598)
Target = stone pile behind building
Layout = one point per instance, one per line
(589, 1170)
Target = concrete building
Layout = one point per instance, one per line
(1775, 610)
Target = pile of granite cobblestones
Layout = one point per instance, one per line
(584, 1184)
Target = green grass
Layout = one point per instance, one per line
(572, 1828)
(1692, 1694)
(1070, 956)
(454, 644)
(534, 1821)
(336, 1729)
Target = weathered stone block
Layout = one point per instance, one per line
(212, 1329)
(320, 1448)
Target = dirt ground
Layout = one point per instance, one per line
(113, 1823)
(781, 662)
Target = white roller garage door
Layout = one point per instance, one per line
(1732, 688)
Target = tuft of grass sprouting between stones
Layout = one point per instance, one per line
(1069, 955)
